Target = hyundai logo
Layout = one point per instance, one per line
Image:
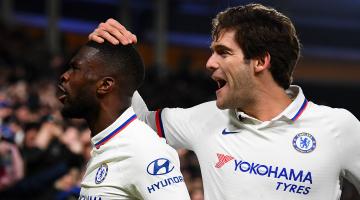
(160, 166)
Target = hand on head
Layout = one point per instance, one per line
(113, 32)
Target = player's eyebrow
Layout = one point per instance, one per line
(220, 47)
(73, 62)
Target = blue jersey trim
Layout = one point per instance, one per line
(116, 131)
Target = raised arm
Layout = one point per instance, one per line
(143, 112)
(114, 32)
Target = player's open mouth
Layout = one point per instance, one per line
(220, 82)
(62, 98)
(61, 93)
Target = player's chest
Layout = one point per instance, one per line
(102, 178)
(289, 143)
(109, 168)
(288, 159)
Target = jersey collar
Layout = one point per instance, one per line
(299, 104)
(292, 112)
(116, 127)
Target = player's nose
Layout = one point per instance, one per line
(211, 63)
(64, 77)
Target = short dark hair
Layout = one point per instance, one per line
(260, 30)
(124, 61)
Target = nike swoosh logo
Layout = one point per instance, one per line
(224, 132)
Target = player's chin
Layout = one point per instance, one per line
(221, 98)
(223, 102)
(70, 112)
(220, 103)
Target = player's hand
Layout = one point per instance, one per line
(113, 32)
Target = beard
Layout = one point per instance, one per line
(80, 106)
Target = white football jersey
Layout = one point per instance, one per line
(303, 153)
(129, 161)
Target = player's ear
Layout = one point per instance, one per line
(262, 62)
(105, 85)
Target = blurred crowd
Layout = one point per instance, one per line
(43, 155)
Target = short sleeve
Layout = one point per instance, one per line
(183, 128)
(180, 127)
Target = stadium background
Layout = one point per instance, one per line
(37, 37)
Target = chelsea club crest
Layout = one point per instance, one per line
(101, 173)
(304, 142)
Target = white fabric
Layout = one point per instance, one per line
(129, 156)
(259, 160)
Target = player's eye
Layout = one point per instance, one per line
(223, 53)
(73, 67)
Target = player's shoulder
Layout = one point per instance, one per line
(206, 106)
(338, 115)
(145, 135)
(200, 111)
(151, 148)
(146, 141)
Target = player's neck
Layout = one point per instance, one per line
(108, 113)
(268, 103)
